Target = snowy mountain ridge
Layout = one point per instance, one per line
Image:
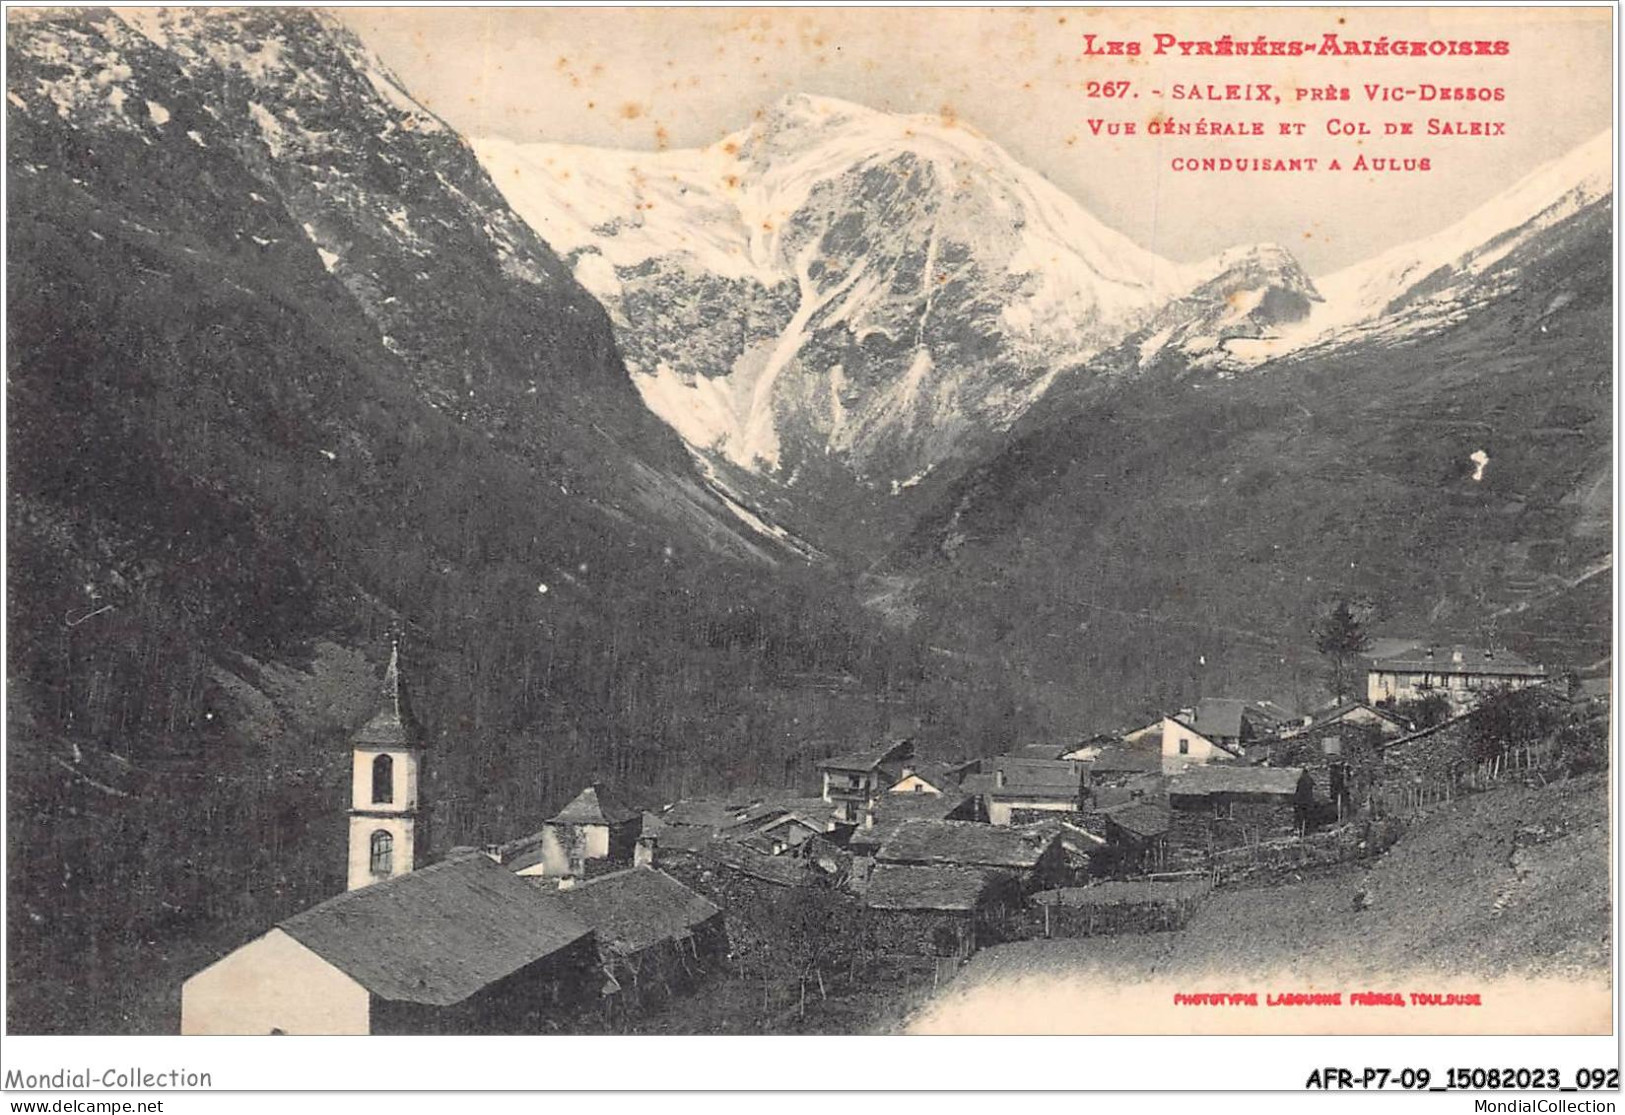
(834, 285)
(1423, 284)
(864, 252)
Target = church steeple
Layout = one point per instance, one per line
(388, 824)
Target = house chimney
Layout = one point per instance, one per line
(1455, 656)
(1428, 653)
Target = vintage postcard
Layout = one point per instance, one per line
(809, 521)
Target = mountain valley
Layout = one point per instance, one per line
(684, 469)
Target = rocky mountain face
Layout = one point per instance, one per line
(274, 141)
(835, 293)
(837, 283)
(1250, 294)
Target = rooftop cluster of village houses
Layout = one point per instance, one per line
(604, 899)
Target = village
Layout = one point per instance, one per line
(882, 879)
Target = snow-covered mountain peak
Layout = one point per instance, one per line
(877, 288)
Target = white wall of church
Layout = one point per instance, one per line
(274, 983)
(401, 858)
(404, 783)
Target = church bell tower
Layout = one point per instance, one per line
(388, 824)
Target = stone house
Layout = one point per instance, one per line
(938, 911)
(881, 822)
(1032, 854)
(654, 935)
(1137, 837)
(1344, 757)
(1349, 712)
(1023, 790)
(1217, 807)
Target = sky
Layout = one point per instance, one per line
(648, 78)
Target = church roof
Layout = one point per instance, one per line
(594, 806)
(392, 725)
(440, 934)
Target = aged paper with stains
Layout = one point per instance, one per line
(1169, 447)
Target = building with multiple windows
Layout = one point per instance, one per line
(853, 783)
(1460, 673)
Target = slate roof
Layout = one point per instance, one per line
(865, 760)
(1272, 711)
(786, 821)
(979, 783)
(1230, 779)
(784, 871)
(1337, 712)
(1474, 660)
(1038, 778)
(1383, 646)
(633, 909)
(1038, 751)
(943, 776)
(1142, 818)
(516, 855)
(893, 811)
(1219, 716)
(440, 934)
(1424, 733)
(705, 812)
(684, 838)
(967, 843)
(392, 725)
(1126, 760)
(594, 806)
(815, 810)
(1141, 787)
(900, 887)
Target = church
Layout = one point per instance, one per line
(464, 945)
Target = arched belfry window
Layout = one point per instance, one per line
(383, 853)
(383, 779)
